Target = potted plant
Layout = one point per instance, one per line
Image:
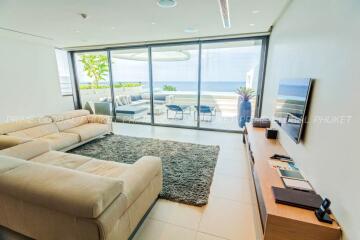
(244, 105)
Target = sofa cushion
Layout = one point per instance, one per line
(61, 140)
(69, 115)
(61, 159)
(71, 123)
(36, 132)
(8, 163)
(103, 168)
(89, 130)
(27, 150)
(23, 124)
(64, 190)
(10, 141)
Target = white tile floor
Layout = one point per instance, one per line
(231, 213)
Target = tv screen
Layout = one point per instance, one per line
(291, 106)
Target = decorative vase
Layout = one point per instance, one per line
(244, 112)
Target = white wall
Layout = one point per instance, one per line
(29, 84)
(321, 39)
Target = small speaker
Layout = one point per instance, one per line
(271, 133)
(261, 122)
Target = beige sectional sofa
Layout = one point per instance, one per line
(61, 131)
(47, 194)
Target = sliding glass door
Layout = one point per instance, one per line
(92, 71)
(227, 69)
(210, 84)
(130, 74)
(175, 84)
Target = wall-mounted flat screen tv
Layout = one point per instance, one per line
(292, 105)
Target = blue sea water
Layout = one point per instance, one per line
(293, 90)
(224, 86)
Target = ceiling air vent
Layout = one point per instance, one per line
(224, 11)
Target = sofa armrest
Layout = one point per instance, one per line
(10, 141)
(102, 119)
(60, 189)
(137, 177)
(27, 150)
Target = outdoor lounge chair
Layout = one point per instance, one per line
(177, 109)
(205, 110)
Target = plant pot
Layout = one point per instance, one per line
(244, 112)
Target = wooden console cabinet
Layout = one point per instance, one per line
(280, 222)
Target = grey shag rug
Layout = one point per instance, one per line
(188, 168)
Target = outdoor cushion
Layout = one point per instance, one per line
(136, 98)
(128, 99)
(61, 140)
(23, 124)
(160, 97)
(36, 132)
(118, 101)
(89, 130)
(130, 109)
(123, 100)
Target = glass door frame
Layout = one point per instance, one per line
(259, 94)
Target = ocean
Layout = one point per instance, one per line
(293, 90)
(224, 86)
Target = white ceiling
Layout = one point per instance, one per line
(124, 21)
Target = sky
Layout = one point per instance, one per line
(218, 64)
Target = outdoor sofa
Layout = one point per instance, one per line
(133, 107)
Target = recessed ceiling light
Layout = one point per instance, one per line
(251, 24)
(153, 23)
(255, 11)
(77, 31)
(191, 30)
(167, 3)
(113, 28)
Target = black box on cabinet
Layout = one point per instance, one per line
(271, 133)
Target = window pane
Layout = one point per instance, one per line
(94, 86)
(175, 82)
(131, 85)
(64, 72)
(226, 67)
